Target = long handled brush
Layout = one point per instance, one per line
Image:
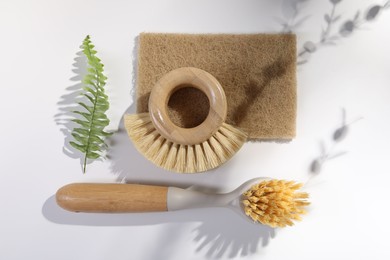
(276, 203)
(185, 150)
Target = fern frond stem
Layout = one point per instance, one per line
(85, 163)
(93, 114)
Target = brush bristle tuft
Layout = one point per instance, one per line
(275, 203)
(183, 158)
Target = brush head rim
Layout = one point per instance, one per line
(173, 81)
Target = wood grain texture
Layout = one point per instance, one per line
(112, 198)
(175, 80)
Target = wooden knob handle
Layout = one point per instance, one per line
(173, 81)
(112, 198)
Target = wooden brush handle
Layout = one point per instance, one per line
(112, 198)
(173, 81)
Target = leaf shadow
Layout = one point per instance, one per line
(334, 29)
(255, 88)
(329, 153)
(292, 17)
(68, 103)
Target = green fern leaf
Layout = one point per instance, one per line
(90, 135)
(78, 146)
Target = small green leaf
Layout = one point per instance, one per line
(100, 115)
(79, 147)
(85, 115)
(84, 124)
(101, 95)
(92, 155)
(99, 122)
(102, 107)
(81, 131)
(89, 80)
(89, 97)
(96, 139)
(91, 91)
(100, 133)
(81, 139)
(88, 108)
(94, 147)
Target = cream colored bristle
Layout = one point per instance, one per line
(146, 141)
(154, 148)
(162, 154)
(220, 138)
(170, 161)
(275, 202)
(183, 158)
(210, 155)
(201, 160)
(191, 161)
(139, 125)
(218, 149)
(235, 136)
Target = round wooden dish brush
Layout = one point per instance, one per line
(185, 150)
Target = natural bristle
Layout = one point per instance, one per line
(183, 158)
(275, 203)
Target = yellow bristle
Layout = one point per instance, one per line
(275, 203)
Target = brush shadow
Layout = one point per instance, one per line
(230, 236)
(126, 163)
(219, 232)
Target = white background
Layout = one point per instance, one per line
(39, 46)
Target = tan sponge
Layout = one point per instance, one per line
(257, 72)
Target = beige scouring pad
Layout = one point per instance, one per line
(257, 72)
